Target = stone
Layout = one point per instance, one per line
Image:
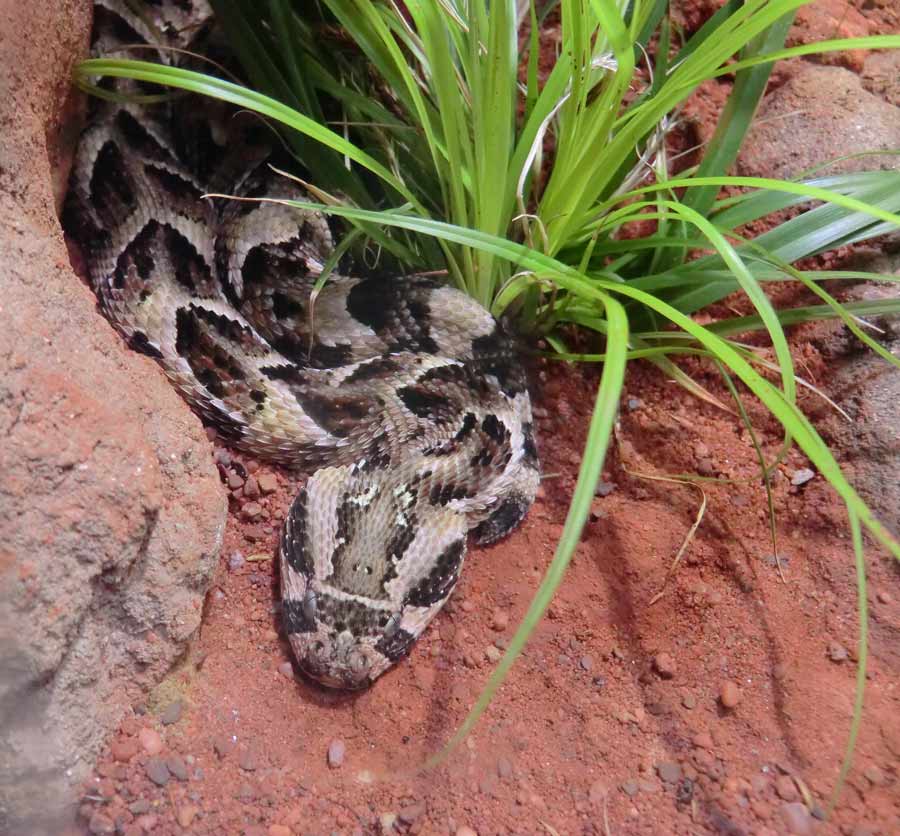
(786, 789)
(499, 619)
(150, 741)
(223, 745)
(820, 113)
(186, 814)
(669, 772)
(113, 512)
(157, 771)
(868, 390)
(796, 818)
(123, 750)
(729, 695)
(176, 765)
(267, 483)
(101, 825)
(336, 751)
(664, 665)
(172, 713)
(411, 812)
(837, 652)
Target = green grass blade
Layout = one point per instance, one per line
(599, 433)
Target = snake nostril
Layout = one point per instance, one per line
(310, 605)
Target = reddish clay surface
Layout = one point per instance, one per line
(722, 706)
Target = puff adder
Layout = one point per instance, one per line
(405, 400)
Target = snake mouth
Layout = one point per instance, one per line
(341, 660)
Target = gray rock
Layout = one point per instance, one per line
(802, 476)
(796, 818)
(172, 713)
(111, 514)
(867, 388)
(336, 751)
(157, 771)
(176, 765)
(669, 771)
(820, 114)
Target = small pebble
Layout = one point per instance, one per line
(802, 476)
(874, 775)
(101, 825)
(223, 745)
(336, 752)
(210, 433)
(248, 760)
(504, 768)
(689, 702)
(177, 767)
(147, 822)
(234, 481)
(796, 818)
(150, 741)
(245, 792)
(664, 665)
(669, 771)
(633, 404)
(251, 488)
(186, 814)
(729, 695)
(884, 597)
(251, 511)
(223, 458)
(837, 652)
(386, 822)
(703, 740)
(411, 812)
(586, 663)
(137, 808)
(604, 488)
(784, 786)
(157, 771)
(267, 483)
(173, 713)
(235, 561)
(499, 619)
(286, 669)
(630, 788)
(123, 750)
(493, 654)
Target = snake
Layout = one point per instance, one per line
(400, 397)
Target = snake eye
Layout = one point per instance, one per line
(318, 649)
(359, 662)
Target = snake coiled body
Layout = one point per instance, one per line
(402, 396)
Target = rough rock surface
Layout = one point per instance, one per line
(820, 114)
(111, 514)
(867, 388)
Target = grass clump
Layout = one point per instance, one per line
(430, 127)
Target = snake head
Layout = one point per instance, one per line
(362, 575)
